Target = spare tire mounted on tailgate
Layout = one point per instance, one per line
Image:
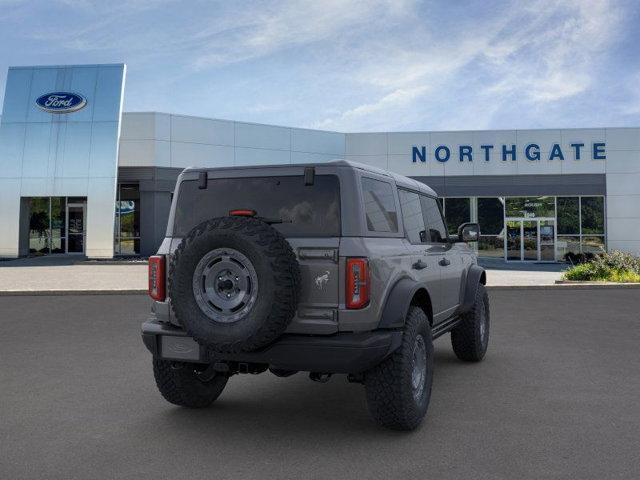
(234, 283)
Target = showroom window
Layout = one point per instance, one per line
(580, 225)
(592, 220)
(568, 216)
(491, 220)
(568, 226)
(530, 207)
(456, 212)
(40, 225)
(592, 215)
(56, 225)
(127, 226)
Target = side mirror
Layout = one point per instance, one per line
(469, 232)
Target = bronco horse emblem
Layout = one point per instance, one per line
(321, 280)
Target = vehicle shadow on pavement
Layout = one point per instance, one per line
(263, 406)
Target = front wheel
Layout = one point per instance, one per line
(399, 389)
(180, 384)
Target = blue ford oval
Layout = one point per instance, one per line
(61, 102)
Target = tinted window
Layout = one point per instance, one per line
(379, 206)
(568, 216)
(436, 232)
(456, 211)
(306, 211)
(592, 215)
(491, 215)
(530, 207)
(412, 216)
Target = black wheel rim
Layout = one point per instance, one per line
(225, 285)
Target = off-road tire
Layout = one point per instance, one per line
(179, 384)
(388, 386)
(467, 338)
(278, 276)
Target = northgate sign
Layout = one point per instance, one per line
(531, 152)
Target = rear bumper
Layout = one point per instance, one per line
(339, 353)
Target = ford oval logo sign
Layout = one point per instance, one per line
(61, 102)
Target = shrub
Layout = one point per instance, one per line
(578, 258)
(617, 260)
(615, 266)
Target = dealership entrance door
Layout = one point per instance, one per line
(530, 239)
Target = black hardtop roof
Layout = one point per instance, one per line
(400, 180)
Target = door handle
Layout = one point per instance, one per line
(444, 262)
(420, 265)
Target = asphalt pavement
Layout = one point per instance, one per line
(558, 396)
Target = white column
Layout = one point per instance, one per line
(623, 189)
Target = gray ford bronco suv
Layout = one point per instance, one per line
(328, 268)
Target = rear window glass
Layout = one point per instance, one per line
(306, 211)
(379, 206)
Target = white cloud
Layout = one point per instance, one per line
(534, 55)
(283, 25)
(398, 98)
(550, 57)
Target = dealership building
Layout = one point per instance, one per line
(80, 176)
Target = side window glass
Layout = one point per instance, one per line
(412, 217)
(436, 231)
(379, 206)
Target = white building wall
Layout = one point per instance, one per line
(623, 189)
(164, 140)
(393, 151)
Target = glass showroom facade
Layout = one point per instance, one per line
(544, 228)
(56, 224)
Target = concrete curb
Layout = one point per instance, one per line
(566, 286)
(17, 293)
(586, 282)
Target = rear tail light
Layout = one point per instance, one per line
(157, 277)
(357, 283)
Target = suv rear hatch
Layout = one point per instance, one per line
(305, 209)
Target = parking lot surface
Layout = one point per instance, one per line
(558, 396)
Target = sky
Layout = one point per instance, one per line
(349, 65)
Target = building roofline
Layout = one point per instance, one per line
(229, 120)
(84, 65)
(377, 132)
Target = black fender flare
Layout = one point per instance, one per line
(476, 275)
(397, 303)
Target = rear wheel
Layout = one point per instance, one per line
(399, 389)
(180, 384)
(470, 338)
